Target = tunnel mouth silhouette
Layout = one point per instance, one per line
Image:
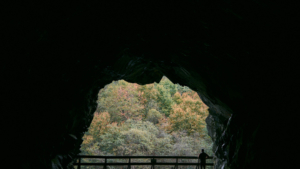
(172, 115)
(239, 57)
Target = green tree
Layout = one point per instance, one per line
(164, 99)
(148, 98)
(183, 89)
(111, 140)
(168, 85)
(153, 116)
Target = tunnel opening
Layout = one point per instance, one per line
(157, 119)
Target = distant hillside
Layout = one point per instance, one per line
(155, 119)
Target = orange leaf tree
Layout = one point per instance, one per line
(187, 114)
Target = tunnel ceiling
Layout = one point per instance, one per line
(59, 55)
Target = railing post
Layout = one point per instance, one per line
(152, 163)
(176, 163)
(129, 166)
(79, 163)
(105, 163)
(198, 163)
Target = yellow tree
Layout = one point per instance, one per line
(97, 128)
(188, 113)
(99, 124)
(120, 100)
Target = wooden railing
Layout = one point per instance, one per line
(151, 163)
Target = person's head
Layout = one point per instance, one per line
(202, 150)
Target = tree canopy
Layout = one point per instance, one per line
(155, 119)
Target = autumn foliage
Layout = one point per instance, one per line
(155, 119)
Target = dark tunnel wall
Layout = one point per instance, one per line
(236, 55)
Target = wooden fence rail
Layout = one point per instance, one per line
(152, 163)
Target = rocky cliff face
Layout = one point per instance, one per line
(59, 55)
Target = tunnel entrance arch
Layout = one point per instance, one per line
(145, 71)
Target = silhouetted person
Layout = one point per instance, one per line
(202, 157)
